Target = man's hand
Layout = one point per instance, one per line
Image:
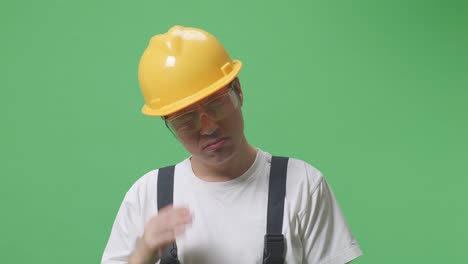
(160, 231)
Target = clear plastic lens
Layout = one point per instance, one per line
(216, 109)
(185, 121)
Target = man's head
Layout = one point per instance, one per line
(188, 79)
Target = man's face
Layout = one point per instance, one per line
(212, 130)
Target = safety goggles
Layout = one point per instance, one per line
(216, 108)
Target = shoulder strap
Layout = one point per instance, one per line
(274, 240)
(165, 186)
(165, 197)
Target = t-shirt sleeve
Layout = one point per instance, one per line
(326, 237)
(125, 232)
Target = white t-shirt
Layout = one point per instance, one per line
(229, 218)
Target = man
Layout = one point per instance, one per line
(221, 193)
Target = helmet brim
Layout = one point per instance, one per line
(200, 95)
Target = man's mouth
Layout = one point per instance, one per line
(215, 144)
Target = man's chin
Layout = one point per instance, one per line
(218, 157)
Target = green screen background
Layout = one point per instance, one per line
(373, 93)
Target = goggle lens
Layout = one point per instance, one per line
(216, 109)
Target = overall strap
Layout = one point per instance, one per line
(274, 247)
(165, 197)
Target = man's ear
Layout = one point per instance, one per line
(239, 91)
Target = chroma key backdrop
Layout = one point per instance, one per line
(372, 93)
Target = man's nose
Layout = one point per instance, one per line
(208, 124)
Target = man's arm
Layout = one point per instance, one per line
(160, 231)
(326, 235)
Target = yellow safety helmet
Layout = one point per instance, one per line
(182, 67)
